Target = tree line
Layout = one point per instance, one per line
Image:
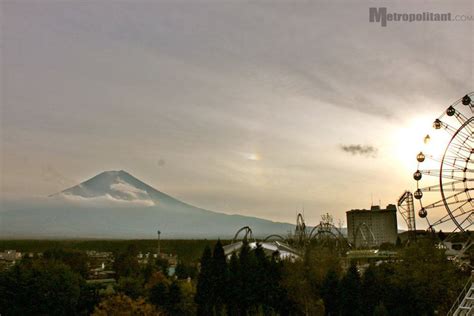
(245, 284)
(421, 281)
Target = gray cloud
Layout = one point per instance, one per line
(362, 150)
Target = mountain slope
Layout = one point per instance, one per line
(118, 185)
(114, 204)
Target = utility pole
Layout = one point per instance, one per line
(159, 249)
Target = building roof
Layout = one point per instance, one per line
(375, 208)
(269, 247)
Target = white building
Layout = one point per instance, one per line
(269, 247)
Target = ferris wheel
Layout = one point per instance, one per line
(445, 173)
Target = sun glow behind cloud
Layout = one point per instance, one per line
(415, 136)
(410, 138)
(253, 157)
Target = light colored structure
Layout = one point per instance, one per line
(269, 247)
(371, 228)
(8, 258)
(10, 255)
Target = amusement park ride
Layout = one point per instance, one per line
(444, 189)
(453, 184)
(444, 192)
(444, 180)
(444, 177)
(453, 174)
(271, 244)
(325, 233)
(407, 210)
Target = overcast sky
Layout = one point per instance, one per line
(259, 108)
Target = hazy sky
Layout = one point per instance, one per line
(258, 108)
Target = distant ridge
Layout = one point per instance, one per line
(115, 204)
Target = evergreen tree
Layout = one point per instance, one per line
(159, 295)
(40, 288)
(248, 278)
(350, 289)
(126, 263)
(390, 294)
(204, 286)
(183, 270)
(372, 290)
(441, 235)
(131, 287)
(262, 279)
(175, 297)
(330, 293)
(148, 270)
(76, 260)
(89, 298)
(219, 278)
(277, 296)
(234, 289)
(398, 244)
(163, 265)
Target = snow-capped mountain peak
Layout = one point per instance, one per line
(115, 186)
(115, 204)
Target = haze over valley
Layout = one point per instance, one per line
(115, 204)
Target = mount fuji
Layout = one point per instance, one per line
(115, 204)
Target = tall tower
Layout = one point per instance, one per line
(407, 210)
